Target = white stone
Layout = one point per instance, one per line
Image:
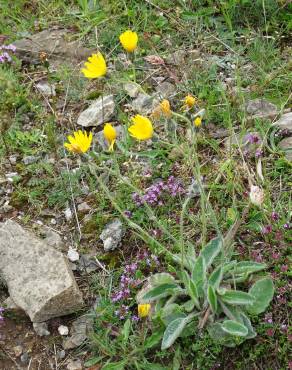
(41, 328)
(38, 277)
(112, 235)
(285, 122)
(46, 88)
(63, 330)
(68, 214)
(100, 111)
(73, 255)
(131, 89)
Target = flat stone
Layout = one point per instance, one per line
(260, 106)
(41, 328)
(48, 288)
(29, 159)
(131, 89)
(55, 44)
(80, 330)
(83, 207)
(68, 214)
(286, 146)
(74, 365)
(144, 104)
(46, 89)
(285, 122)
(99, 112)
(112, 235)
(87, 264)
(52, 238)
(177, 58)
(165, 89)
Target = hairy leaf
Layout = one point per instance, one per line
(212, 299)
(172, 332)
(199, 275)
(247, 267)
(234, 328)
(215, 278)
(158, 292)
(263, 291)
(211, 250)
(237, 297)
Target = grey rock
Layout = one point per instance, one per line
(52, 238)
(41, 328)
(46, 89)
(13, 158)
(55, 44)
(285, 122)
(112, 235)
(144, 104)
(63, 330)
(131, 89)
(29, 159)
(80, 330)
(194, 189)
(48, 288)
(99, 137)
(10, 305)
(61, 354)
(165, 89)
(74, 365)
(286, 146)
(68, 214)
(99, 112)
(260, 106)
(83, 207)
(177, 58)
(24, 358)
(73, 255)
(87, 263)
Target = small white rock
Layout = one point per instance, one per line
(73, 255)
(68, 214)
(63, 330)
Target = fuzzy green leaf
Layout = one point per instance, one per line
(158, 292)
(234, 328)
(263, 291)
(199, 275)
(247, 267)
(172, 332)
(153, 340)
(211, 250)
(246, 322)
(237, 297)
(216, 277)
(161, 278)
(212, 299)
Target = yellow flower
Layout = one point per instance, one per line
(79, 143)
(144, 310)
(129, 40)
(95, 67)
(198, 121)
(142, 128)
(110, 134)
(165, 108)
(189, 101)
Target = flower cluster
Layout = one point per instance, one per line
(5, 56)
(154, 194)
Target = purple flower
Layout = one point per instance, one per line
(286, 226)
(258, 153)
(267, 229)
(128, 214)
(135, 318)
(253, 138)
(275, 216)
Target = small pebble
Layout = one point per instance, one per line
(17, 350)
(24, 358)
(73, 255)
(63, 330)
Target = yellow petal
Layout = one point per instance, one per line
(129, 40)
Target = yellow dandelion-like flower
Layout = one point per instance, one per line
(189, 101)
(110, 134)
(142, 128)
(95, 67)
(129, 40)
(144, 310)
(165, 108)
(79, 143)
(198, 121)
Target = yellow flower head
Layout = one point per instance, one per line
(95, 67)
(129, 40)
(80, 142)
(189, 101)
(110, 134)
(144, 310)
(142, 128)
(165, 108)
(198, 121)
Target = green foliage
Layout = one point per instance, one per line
(187, 298)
